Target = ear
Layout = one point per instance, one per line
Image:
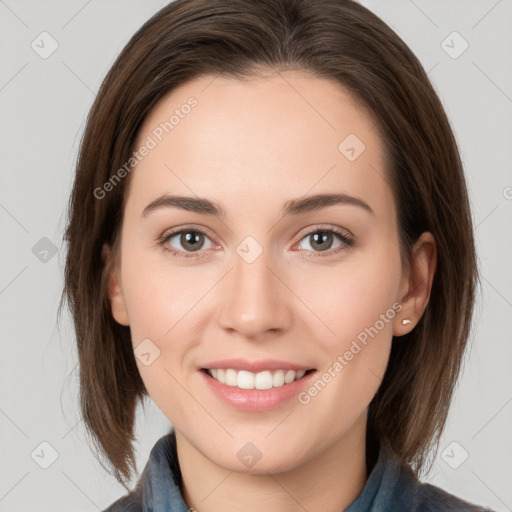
(414, 292)
(115, 290)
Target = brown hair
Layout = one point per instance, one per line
(337, 39)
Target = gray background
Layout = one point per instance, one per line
(44, 103)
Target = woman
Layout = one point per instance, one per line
(229, 141)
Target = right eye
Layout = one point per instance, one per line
(190, 240)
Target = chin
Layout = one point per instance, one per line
(250, 457)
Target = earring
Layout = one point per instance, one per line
(406, 321)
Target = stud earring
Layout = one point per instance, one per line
(406, 321)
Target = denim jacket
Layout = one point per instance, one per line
(391, 487)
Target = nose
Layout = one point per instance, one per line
(255, 299)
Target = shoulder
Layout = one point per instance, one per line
(156, 476)
(132, 502)
(422, 497)
(432, 498)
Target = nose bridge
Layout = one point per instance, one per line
(256, 299)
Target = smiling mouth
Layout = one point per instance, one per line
(266, 379)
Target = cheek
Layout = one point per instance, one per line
(167, 304)
(163, 307)
(358, 304)
(157, 291)
(348, 298)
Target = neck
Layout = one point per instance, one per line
(328, 481)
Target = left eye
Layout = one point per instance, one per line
(322, 240)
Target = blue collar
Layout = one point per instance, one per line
(161, 481)
(161, 478)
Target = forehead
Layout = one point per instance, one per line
(288, 134)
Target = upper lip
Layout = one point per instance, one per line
(255, 366)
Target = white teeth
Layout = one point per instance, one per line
(266, 379)
(278, 378)
(289, 376)
(245, 379)
(263, 380)
(231, 378)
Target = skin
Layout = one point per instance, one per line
(250, 146)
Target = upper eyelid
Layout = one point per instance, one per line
(325, 227)
(173, 232)
(305, 231)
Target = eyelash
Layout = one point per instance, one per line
(347, 240)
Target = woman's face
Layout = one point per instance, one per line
(263, 276)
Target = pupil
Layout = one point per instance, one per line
(192, 240)
(323, 237)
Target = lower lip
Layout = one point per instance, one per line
(256, 399)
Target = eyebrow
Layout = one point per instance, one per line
(292, 207)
